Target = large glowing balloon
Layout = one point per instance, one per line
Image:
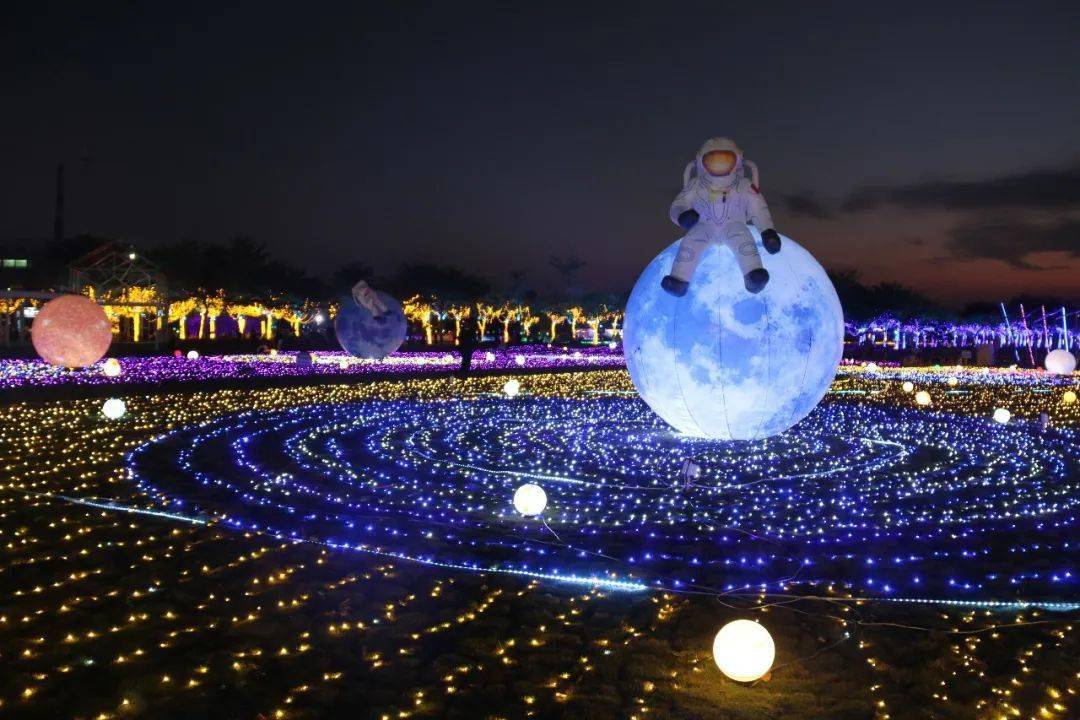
(1060, 361)
(362, 335)
(722, 363)
(530, 499)
(743, 650)
(71, 331)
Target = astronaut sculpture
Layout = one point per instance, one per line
(366, 298)
(715, 205)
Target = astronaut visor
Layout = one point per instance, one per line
(719, 162)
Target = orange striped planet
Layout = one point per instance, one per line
(71, 331)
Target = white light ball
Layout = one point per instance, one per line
(343, 364)
(952, 382)
(1001, 415)
(872, 367)
(511, 388)
(743, 650)
(908, 386)
(922, 397)
(612, 345)
(111, 368)
(530, 499)
(114, 408)
(1060, 361)
(193, 355)
(489, 356)
(520, 360)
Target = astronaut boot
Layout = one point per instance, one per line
(771, 240)
(756, 280)
(674, 286)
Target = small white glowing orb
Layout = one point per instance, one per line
(511, 388)
(922, 397)
(1069, 397)
(953, 382)
(908, 386)
(530, 499)
(193, 355)
(1060, 361)
(743, 650)
(489, 356)
(612, 345)
(111, 368)
(872, 367)
(520, 360)
(1001, 415)
(343, 364)
(114, 408)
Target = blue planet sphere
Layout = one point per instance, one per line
(364, 336)
(725, 364)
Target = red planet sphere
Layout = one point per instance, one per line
(71, 331)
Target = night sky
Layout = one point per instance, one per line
(921, 143)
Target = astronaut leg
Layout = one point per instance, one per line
(738, 238)
(691, 249)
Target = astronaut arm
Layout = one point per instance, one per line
(760, 216)
(682, 211)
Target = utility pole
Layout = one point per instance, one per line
(58, 221)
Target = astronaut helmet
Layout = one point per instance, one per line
(719, 162)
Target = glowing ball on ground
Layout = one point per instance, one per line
(511, 388)
(111, 368)
(343, 364)
(743, 650)
(922, 397)
(953, 382)
(1060, 361)
(114, 408)
(193, 355)
(362, 335)
(908, 386)
(725, 364)
(1001, 415)
(520, 360)
(489, 356)
(1069, 397)
(530, 499)
(71, 331)
(303, 359)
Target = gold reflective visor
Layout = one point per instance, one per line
(719, 162)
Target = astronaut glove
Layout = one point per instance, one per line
(771, 240)
(688, 219)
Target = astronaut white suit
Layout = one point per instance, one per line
(715, 205)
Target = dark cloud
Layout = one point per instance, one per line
(806, 205)
(1012, 241)
(1056, 188)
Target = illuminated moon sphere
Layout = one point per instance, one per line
(743, 650)
(530, 499)
(362, 336)
(722, 363)
(1060, 361)
(71, 331)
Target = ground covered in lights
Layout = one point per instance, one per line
(352, 550)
